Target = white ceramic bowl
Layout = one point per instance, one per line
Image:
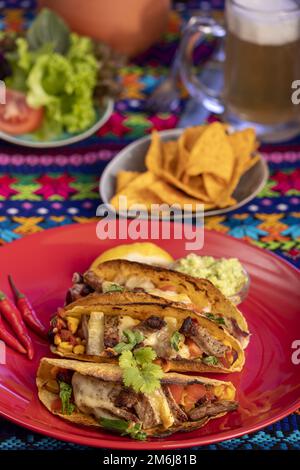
(132, 158)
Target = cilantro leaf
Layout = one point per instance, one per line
(124, 428)
(108, 286)
(210, 360)
(65, 393)
(135, 432)
(176, 338)
(133, 337)
(217, 319)
(139, 372)
(144, 355)
(120, 347)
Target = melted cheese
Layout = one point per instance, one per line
(92, 396)
(161, 408)
(95, 334)
(184, 351)
(138, 281)
(126, 323)
(155, 339)
(171, 323)
(224, 392)
(170, 295)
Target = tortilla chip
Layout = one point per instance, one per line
(191, 135)
(137, 192)
(250, 163)
(154, 156)
(244, 144)
(185, 144)
(214, 186)
(204, 165)
(154, 159)
(225, 196)
(170, 155)
(171, 195)
(124, 177)
(212, 153)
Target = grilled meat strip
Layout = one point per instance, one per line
(211, 346)
(93, 281)
(151, 324)
(111, 331)
(127, 398)
(145, 412)
(212, 409)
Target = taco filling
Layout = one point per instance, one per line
(107, 336)
(131, 276)
(179, 402)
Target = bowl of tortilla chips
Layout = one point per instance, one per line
(208, 164)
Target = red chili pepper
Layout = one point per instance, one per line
(10, 340)
(27, 310)
(14, 318)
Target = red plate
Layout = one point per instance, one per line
(268, 387)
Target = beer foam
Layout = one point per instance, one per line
(271, 22)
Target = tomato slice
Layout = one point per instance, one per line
(16, 116)
(227, 361)
(192, 394)
(177, 391)
(56, 404)
(195, 351)
(189, 395)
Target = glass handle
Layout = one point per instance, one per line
(198, 29)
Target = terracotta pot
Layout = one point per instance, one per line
(129, 26)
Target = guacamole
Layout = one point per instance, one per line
(226, 274)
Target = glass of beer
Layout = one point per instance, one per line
(260, 65)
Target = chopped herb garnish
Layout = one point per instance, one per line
(133, 337)
(125, 428)
(65, 393)
(210, 360)
(176, 338)
(215, 318)
(139, 371)
(108, 286)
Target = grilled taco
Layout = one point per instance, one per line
(99, 327)
(94, 395)
(199, 295)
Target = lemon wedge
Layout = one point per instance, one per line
(147, 252)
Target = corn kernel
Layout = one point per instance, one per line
(52, 386)
(64, 346)
(79, 349)
(57, 340)
(72, 324)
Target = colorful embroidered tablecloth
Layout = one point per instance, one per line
(50, 188)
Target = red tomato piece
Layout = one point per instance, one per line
(16, 116)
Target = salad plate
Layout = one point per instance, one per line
(267, 389)
(58, 86)
(28, 140)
